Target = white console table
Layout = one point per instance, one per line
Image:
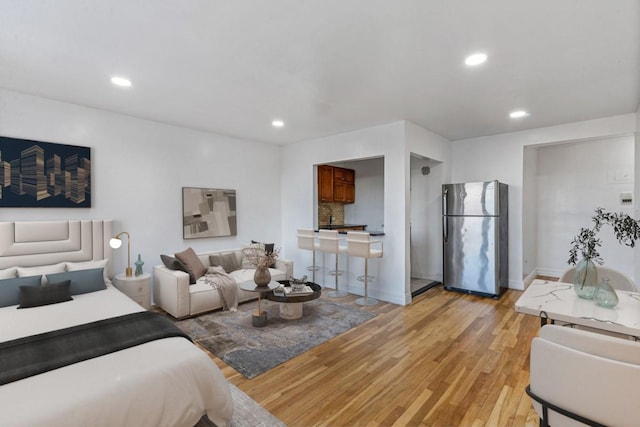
(558, 301)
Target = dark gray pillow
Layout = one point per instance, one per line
(82, 281)
(194, 266)
(10, 289)
(52, 293)
(173, 263)
(228, 261)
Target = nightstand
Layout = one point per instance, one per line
(138, 288)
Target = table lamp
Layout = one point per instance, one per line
(116, 242)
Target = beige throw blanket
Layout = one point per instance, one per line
(218, 279)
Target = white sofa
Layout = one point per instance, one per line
(174, 294)
(588, 374)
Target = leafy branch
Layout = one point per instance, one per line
(625, 228)
(587, 245)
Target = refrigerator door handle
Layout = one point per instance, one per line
(445, 222)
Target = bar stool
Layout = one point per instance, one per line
(359, 245)
(329, 242)
(307, 241)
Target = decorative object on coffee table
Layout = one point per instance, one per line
(259, 318)
(262, 277)
(256, 255)
(291, 304)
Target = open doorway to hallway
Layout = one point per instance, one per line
(425, 224)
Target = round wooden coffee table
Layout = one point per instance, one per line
(291, 306)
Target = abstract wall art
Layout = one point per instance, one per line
(208, 212)
(36, 174)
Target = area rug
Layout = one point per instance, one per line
(246, 413)
(252, 351)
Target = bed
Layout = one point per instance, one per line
(164, 382)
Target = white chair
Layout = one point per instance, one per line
(307, 241)
(329, 242)
(359, 245)
(617, 280)
(579, 375)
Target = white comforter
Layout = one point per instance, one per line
(168, 382)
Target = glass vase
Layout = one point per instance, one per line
(605, 295)
(585, 278)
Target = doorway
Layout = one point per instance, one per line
(563, 184)
(425, 228)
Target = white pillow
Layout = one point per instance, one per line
(88, 265)
(9, 273)
(43, 269)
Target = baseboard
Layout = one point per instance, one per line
(550, 272)
(516, 284)
(530, 277)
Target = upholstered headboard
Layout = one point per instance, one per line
(34, 243)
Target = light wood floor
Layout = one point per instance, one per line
(449, 359)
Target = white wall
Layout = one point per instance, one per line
(297, 200)
(501, 157)
(139, 168)
(529, 214)
(572, 180)
(392, 283)
(369, 183)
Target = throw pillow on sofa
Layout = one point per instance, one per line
(228, 261)
(172, 263)
(192, 263)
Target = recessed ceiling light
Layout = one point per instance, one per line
(121, 81)
(475, 59)
(277, 123)
(518, 114)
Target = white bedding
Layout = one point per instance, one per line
(168, 382)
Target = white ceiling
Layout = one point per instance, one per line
(329, 66)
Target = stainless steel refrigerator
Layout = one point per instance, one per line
(475, 229)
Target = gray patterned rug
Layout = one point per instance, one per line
(246, 413)
(252, 351)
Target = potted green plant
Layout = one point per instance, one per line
(586, 244)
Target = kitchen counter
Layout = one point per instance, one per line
(343, 228)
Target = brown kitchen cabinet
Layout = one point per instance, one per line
(325, 183)
(336, 184)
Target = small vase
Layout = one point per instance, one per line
(605, 295)
(262, 277)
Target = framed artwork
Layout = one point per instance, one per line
(208, 212)
(36, 174)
